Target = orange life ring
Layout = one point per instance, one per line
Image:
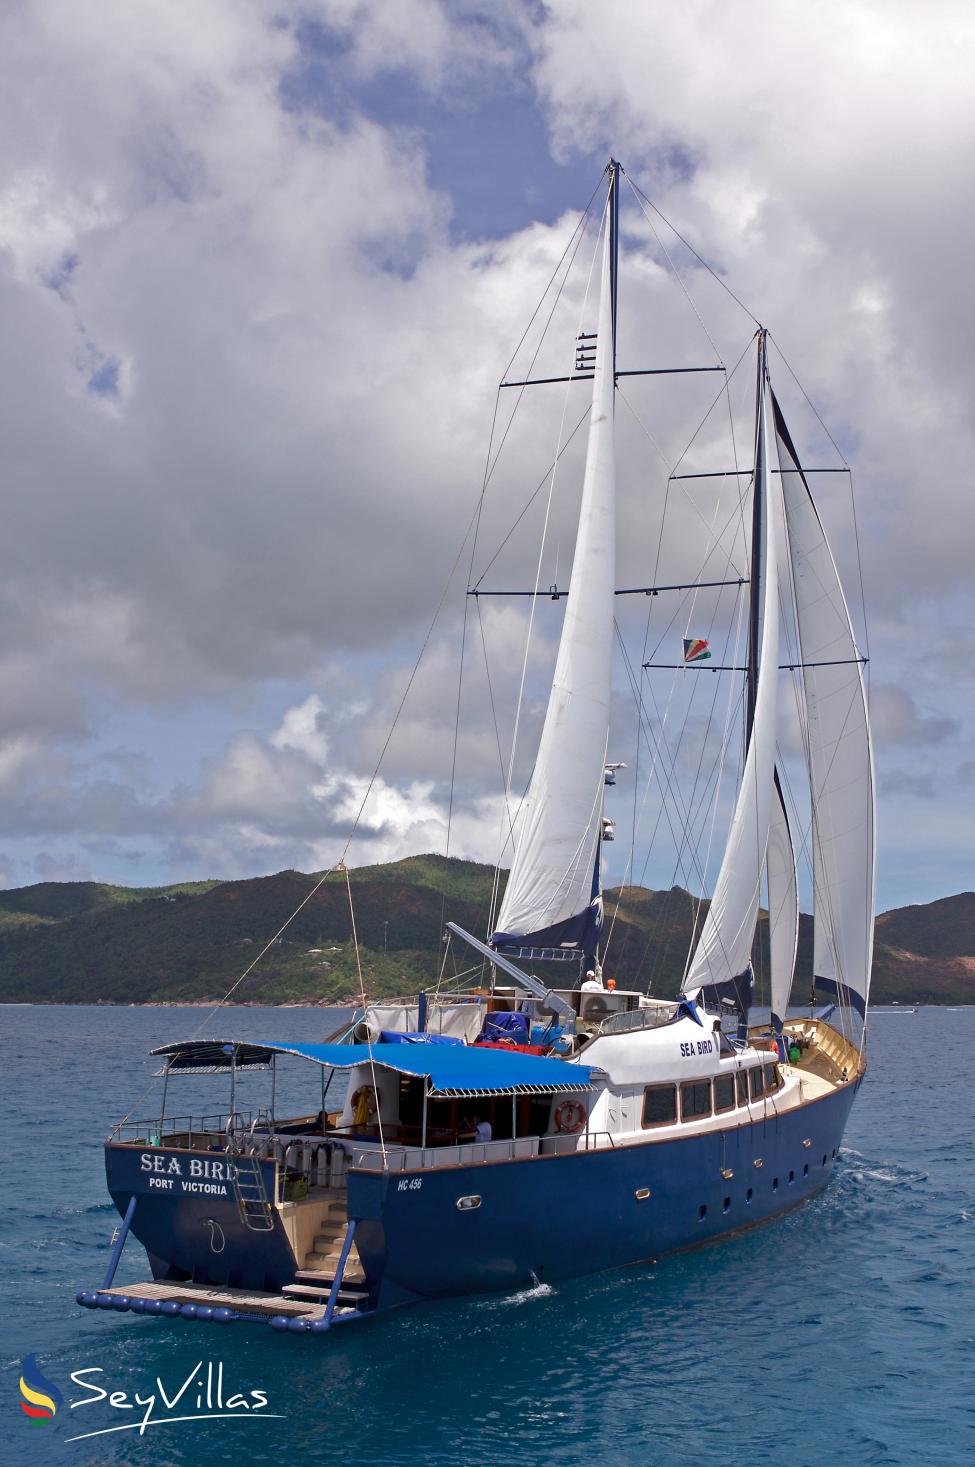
(570, 1117)
(369, 1092)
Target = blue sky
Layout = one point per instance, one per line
(258, 274)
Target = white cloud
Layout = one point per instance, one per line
(246, 373)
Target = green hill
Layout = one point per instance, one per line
(82, 942)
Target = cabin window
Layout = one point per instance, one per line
(755, 1083)
(772, 1079)
(695, 1099)
(724, 1093)
(659, 1105)
(742, 1087)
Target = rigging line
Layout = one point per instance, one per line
(730, 711)
(734, 450)
(677, 275)
(671, 787)
(853, 503)
(604, 223)
(362, 995)
(695, 804)
(460, 675)
(687, 245)
(368, 791)
(728, 378)
(533, 496)
(689, 821)
(679, 605)
(523, 389)
(580, 222)
(687, 495)
(502, 838)
(637, 692)
(663, 811)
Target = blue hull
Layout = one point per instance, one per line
(546, 1218)
(559, 1217)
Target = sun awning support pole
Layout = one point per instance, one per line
(423, 1126)
(274, 1081)
(233, 1081)
(162, 1108)
(514, 1114)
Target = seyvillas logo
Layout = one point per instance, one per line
(40, 1397)
(203, 1395)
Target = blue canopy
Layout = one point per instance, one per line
(460, 1070)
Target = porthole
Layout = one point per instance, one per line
(468, 1204)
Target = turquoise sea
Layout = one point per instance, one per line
(843, 1334)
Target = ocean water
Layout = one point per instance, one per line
(842, 1334)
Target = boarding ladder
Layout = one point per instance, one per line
(247, 1180)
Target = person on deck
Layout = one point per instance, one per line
(592, 984)
(482, 1131)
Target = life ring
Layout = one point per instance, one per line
(369, 1092)
(570, 1117)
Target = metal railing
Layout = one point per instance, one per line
(158, 1132)
(437, 1158)
(636, 1019)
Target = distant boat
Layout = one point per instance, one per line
(533, 1129)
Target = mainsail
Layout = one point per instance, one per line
(723, 954)
(838, 747)
(553, 894)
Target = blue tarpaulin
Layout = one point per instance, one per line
(506, 1026)
(451, 1069)
(393, 1036)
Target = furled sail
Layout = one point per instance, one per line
(838, 747)
(783, 908)
(723, 953)
(553, 894)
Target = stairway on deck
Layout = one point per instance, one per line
(313, 1283)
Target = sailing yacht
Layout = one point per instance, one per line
(532, 1129)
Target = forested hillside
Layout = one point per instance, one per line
(81, 942)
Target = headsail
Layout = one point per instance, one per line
(838, 747)
(723, 954)
(553, 892)
(783, 908)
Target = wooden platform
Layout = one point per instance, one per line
(243, 1300)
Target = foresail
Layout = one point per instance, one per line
(552, 894)
(783, 908)
(723, 952)
(839, 751)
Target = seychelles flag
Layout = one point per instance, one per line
(696, 649)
